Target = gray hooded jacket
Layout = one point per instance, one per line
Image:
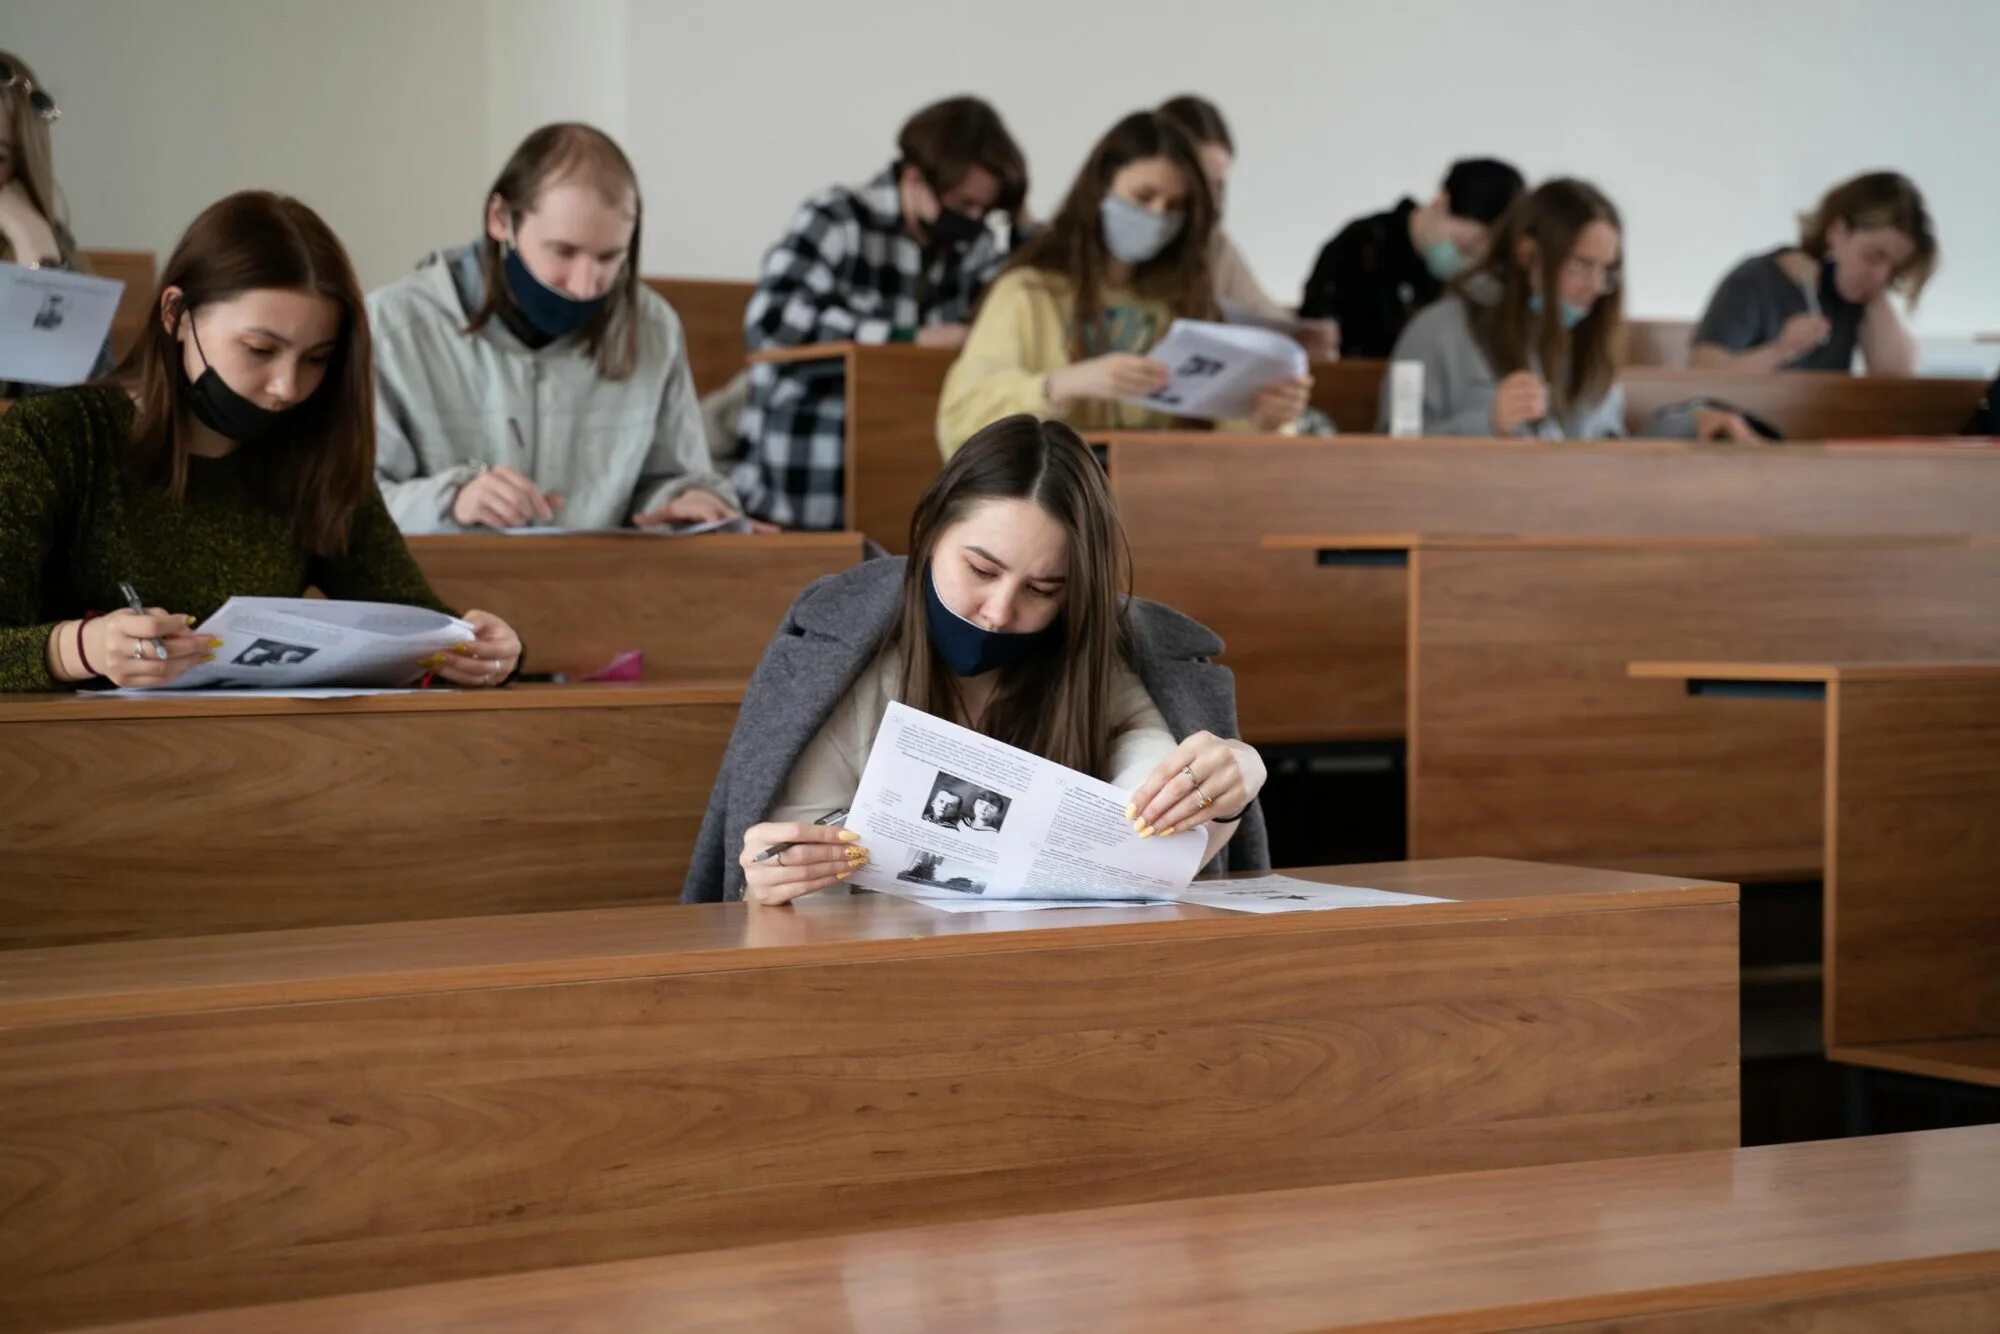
(833, 632)
(448, 403)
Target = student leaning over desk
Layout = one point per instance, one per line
(1065, 330)
(1009, 617)
(230, 455)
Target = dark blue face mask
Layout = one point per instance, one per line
(971, 650)
(543, 307)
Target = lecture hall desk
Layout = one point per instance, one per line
(197, 1123)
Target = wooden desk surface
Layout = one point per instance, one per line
(134, 978)
(86, 706)
(1898, 1231)
(714, 1075)
(1820, 672)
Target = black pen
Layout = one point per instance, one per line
(132, 601)
(831, 817)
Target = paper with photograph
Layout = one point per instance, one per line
(947, 814)
(1218, 369)
(1285, 893)
(53, 323)
(272, 643)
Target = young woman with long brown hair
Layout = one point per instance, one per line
(1010, 616)
(1525, 343)
(1065, 330)
(231, 454)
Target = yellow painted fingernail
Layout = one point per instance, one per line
(462, 650)
(1132, 812)
(208, 657)
(849, 836)
(1168, 830)
(215, 643)
(1145, 832)
(843, 875)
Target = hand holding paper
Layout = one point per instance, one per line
(1217, 371)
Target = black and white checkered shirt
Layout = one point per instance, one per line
(845, 271)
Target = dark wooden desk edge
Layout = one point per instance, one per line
(1897, 1058)
(1812, 672)
(21, 1005)
(74, 707)
(627, 540)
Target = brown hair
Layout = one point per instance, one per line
(1057, 702)
(1200, 119)
(1073, 243)
(1553, 216)
(1878, 199)
(947, 139)
(247, 242)
(34, 159)
(550, 155)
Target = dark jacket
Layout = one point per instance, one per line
(1372, 280)
(830, 636)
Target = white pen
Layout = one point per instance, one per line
(132, 601)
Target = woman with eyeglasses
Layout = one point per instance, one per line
(34, 229)
(1525, 344)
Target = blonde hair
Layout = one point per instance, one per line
(34, 159)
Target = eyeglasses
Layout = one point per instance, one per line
(38, 98)
(1605, 277)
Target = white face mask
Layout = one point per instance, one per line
(1134, 235)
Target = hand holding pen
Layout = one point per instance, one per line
(139, 647)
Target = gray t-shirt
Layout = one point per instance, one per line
(1751, 306)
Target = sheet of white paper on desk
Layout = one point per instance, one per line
(1285, 893)
(942, 809)
(735, 523)
(1218, 368)
(53, 323)
(980, 903)
(301, 692)
(282, 643)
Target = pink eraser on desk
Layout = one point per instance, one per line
(627, 666)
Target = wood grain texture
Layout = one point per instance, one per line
(700, 608)
(178, 1162)
(892, 436)
(712, 314)
(136, 269)
(1657, 343)
(214, 815)
(1961, 1060)
(1892, 1233)
(1349, 392)
(1913, 860)
(1319, 652)
(1813, 405)
(1821, 672)
(1528, 738)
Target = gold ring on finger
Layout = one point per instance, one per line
(1201, 797)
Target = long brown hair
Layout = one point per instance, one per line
(947, 139)
(550, 155)
(1878, 199)
(322, 471)
(1056, 703)
(1553, 216)
(34, 160)
(1073, 243)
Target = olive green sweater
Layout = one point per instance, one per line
(75, 520)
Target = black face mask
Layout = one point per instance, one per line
(226, 412)
(952, 230)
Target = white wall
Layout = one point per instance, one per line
(1710, 121)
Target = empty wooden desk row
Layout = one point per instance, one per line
(1896, 1232)
(198, 1123)
(1526, 737)
(1909, 786)
(1319, 655)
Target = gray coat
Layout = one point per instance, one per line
(833, 632)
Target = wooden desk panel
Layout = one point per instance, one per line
(136, 269)
(892, 439)
(1910, 783)
(702, 609)
(743, 1075)
(134, 819)
(1895, 1232)
(1319, 653)
(1526, 738)
(712, 314)
(1813, 405)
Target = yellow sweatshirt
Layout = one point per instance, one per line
(1021, 335)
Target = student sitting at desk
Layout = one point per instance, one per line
(1522, 345)
(1010, 617)
(529, 378)
(1237, 291)
(1065, 330)
(1810, 307)
(229, 456)
(901, 259)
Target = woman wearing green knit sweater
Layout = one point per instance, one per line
(232, 454)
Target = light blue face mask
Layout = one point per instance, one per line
(1134, 235)
(1444, 259)
(1571, 315)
